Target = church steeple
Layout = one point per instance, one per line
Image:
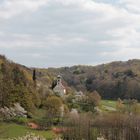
(59, 80)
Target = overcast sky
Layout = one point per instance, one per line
(55, 33)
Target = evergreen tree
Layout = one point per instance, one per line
(34, 75)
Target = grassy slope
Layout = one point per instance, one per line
(14, 130)
(108, 105)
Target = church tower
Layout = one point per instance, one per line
(59, 80)
(59, 89)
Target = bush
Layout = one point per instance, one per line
(20, 120)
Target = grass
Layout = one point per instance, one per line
(39, 114)
(108, 105)
(11, 130)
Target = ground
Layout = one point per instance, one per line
(11, 130)
(108, 105)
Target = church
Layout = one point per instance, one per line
(59, 89)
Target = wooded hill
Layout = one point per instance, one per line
(113, 80)
(16, 85)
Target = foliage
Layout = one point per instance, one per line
(79, 127)
(15, 86)
(90, 102)
(20, 120)
(53, 107)
(128, 106)
(34, 75)
(110, 126)
(114, 80)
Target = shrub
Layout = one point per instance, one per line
(20, 120)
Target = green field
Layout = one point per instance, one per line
(108, 105)
(11, 130)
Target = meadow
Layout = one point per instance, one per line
(12, 130)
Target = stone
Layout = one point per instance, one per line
(15, 111)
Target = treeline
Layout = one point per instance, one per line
(16, 86)
(114, 80)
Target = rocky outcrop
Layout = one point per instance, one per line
(15, 111)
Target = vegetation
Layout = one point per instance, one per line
(89, 102)
(53, 109)
(16, 87)
(13, 130)
(114, 80)
(30, 136)
(81, 114)
(111, 126)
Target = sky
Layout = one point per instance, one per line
(56, 33)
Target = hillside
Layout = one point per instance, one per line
(16, 85)
(113, 80)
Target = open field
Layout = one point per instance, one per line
(11, 130)
(107, 105)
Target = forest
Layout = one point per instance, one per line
(113, 80)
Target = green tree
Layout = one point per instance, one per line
(91, 101)
(53, 106)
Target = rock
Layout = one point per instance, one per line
(20, 111)
(15, 111)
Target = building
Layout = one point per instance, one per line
(79, 96)
(59, 89)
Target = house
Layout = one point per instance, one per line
(79, 96)
(59, 89)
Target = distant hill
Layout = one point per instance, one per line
(113, 80)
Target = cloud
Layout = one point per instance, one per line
(67, 32)
(124, 53)
(131, 5)
(10, 8)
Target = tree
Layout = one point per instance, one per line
(53, 106)
(92, 100)
(80, 129)
(54, 83)
(34, 75)
(15, 87)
